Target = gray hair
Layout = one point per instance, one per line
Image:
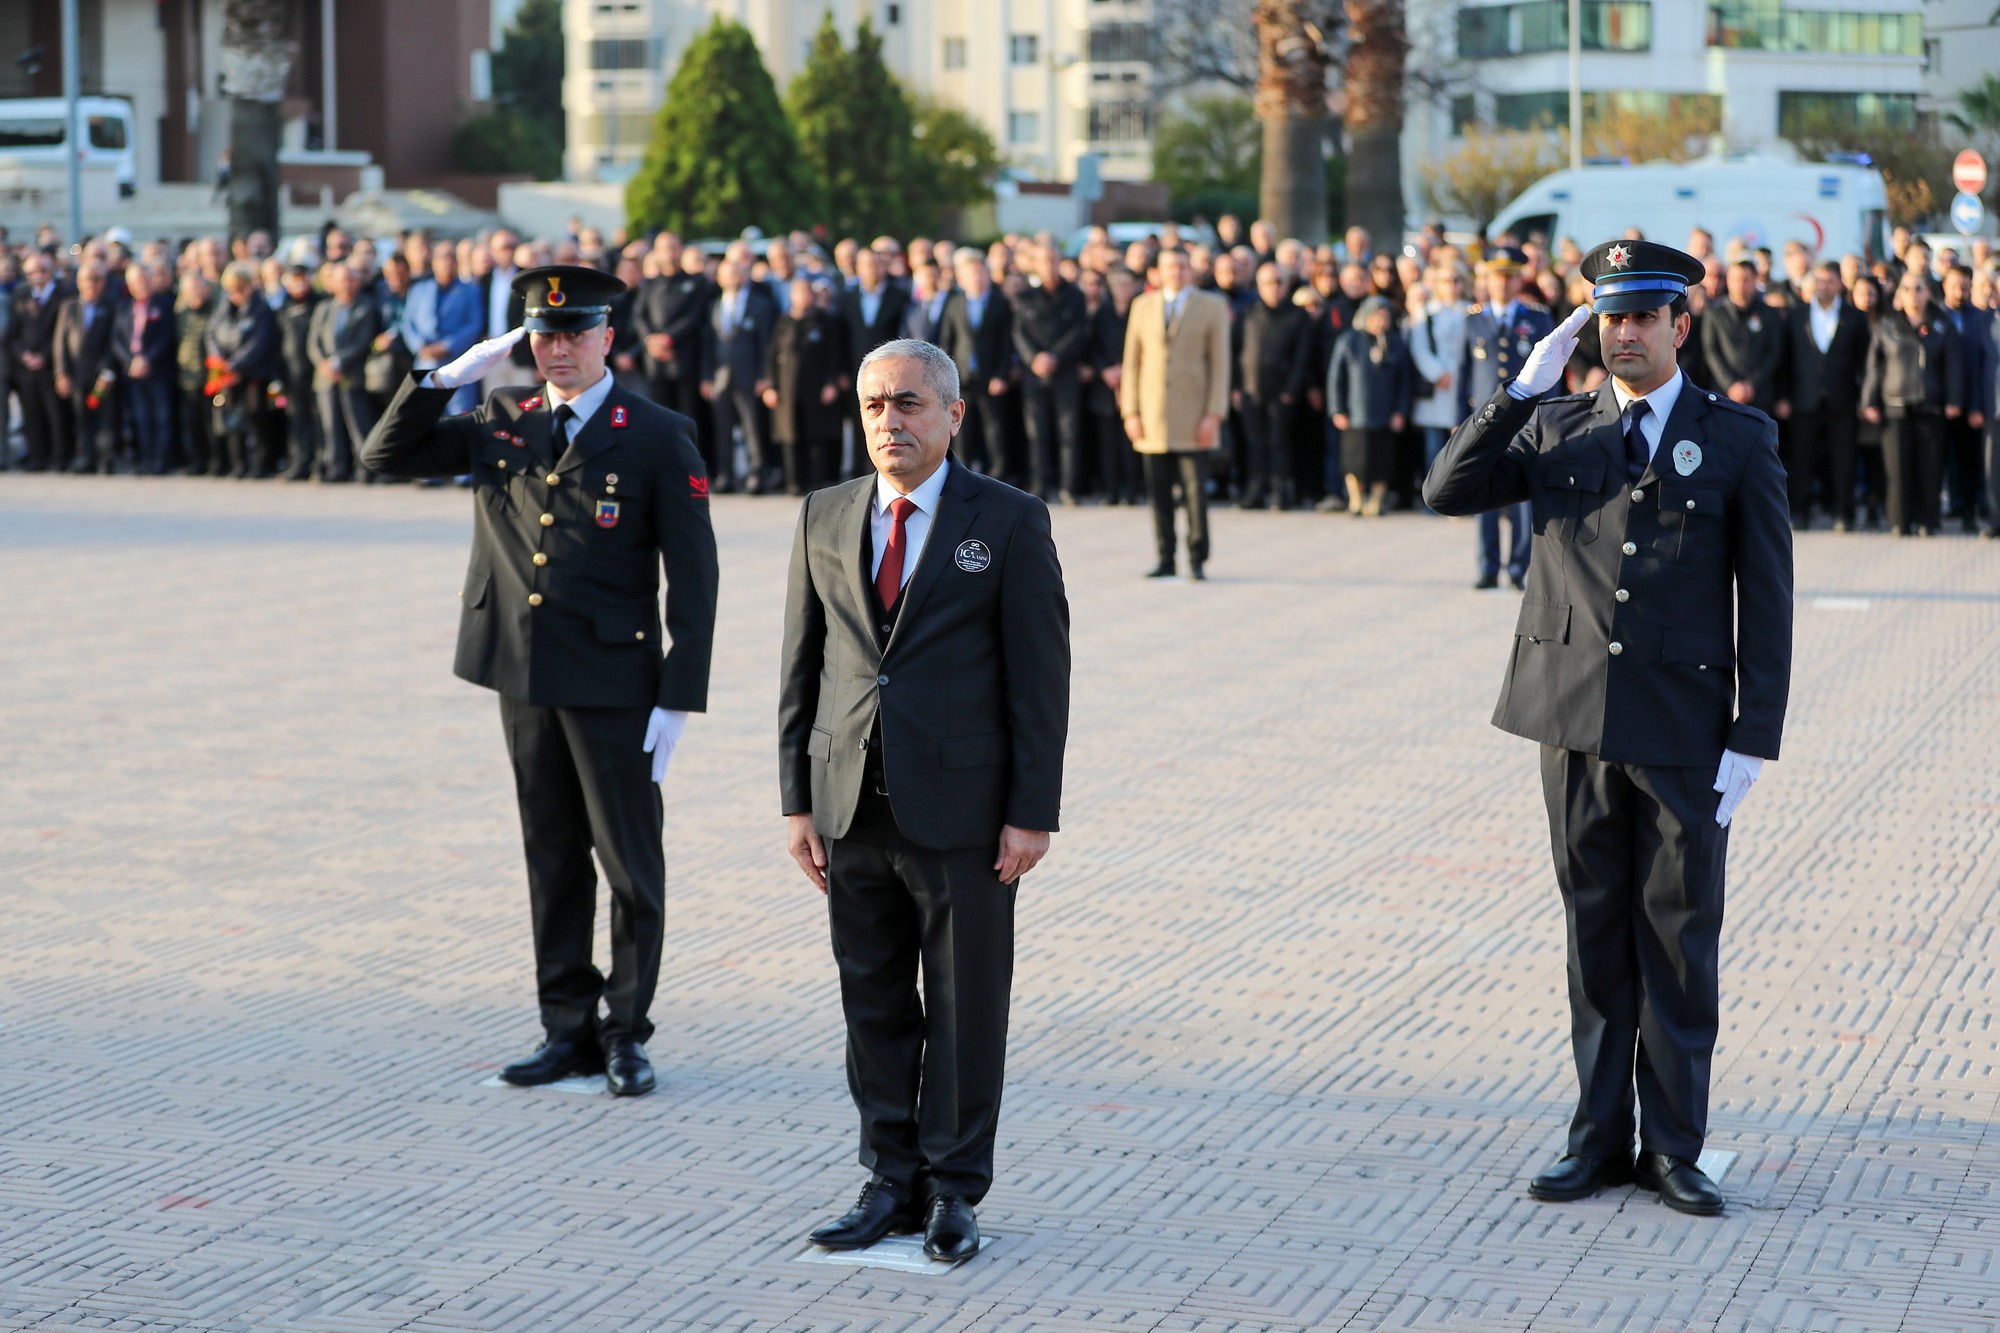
(940, 371)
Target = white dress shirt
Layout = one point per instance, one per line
(915, 528)
(586, 402)
(1825, 320)
(1661, 401)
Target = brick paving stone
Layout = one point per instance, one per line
(1288, 1033)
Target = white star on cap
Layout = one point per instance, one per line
(1618, 256)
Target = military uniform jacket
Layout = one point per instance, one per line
(1651, 606)
(1493, 354)
(562, 595)
(970, 687)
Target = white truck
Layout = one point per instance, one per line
(1836, 208)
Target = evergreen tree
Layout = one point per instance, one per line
(722, 156)
(524, 131)
(856, 128)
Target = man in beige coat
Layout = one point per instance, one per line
(1173, 394)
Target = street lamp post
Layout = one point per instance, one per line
(78, 135)
(1575, 85)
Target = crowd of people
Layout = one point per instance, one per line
(1350, 365)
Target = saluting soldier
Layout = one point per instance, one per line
(584, 489)
(1499, 334)
(1652, 660)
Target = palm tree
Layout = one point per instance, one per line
(257, 54)
(1377, 45)
(1292, 64)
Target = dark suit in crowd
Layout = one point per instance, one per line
(911, 734)
(1052, 319)
(31, 335)
(561, 617)
(676, 304)
(1745, 344)
(979, 335)
(732, 363)
(85, 359)
(1914, 373)
(1124, 471)
(1824, 389)
(245, 338)
(924, 320)
(1272, 361)
(807, 357)
(1990, 527)
(344, 334)
(143, 336)
(1964, 440)
(301, 408)
(1655, 632)
(888, 304)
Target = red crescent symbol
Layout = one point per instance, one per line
(1819, 232)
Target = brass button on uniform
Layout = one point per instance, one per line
(1622, 595)
(549, 521)
(534, 599)
(1616, 647)
(541, 559)
(1629, 548)
(641, 636)
(502, 463)
(552, 479)
(1690, 504)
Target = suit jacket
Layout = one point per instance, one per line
(1657, 623)
(32, 327)
(629, 493)
(1106, 351)
(79, 354)
(1052, 320)
(917, 321)
(520, 353)
(805, 356)
(676, 305)
(735, 360)
(1745, 344)
(1977, 355)
(1830, 379)
(864, 337)
(1276, 352)
(1914, 369)
(158, 341)
(969, 692)
(1493, 355)
(1173, 377)
(349, 342)
(985, 353)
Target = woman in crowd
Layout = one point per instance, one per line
(1914, 383)
(1866, 295)
(1368, 398)
(242, 353)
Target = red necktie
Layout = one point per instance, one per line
(889, 578)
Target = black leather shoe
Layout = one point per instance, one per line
(1579, 1178)
(879, 1212)
(1163, 570)
(1488, 581)
(1679, 1183)
(627, 1071)
(1195, 572)
(951, 1231)
(554, 1060)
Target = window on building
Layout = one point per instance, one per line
(1765, 25)
(618, 53)
(1464, 112)
(1527, 111)
(954, 53)
(1118, 122)
(1024, 127)
(1543, 25)
(1121, 41)
(1024, 48)
(1817, 113)
(617, 129)
(892, 15)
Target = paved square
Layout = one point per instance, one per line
(1288, 1030)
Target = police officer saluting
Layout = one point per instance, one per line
(583, 490)
(1652, 661)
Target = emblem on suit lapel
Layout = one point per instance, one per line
(618, 418)
(530, 404)
(1756, 323)
(1687, 457)
(697, 487)
(607, 513)
(973, 557)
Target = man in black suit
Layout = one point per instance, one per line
(1829, 351)
(924, 320)
(503, 304)
(143, 343)
(1743, 342)
(922, 715)
(1051, 328)
(85, 370)
(978, 332)
(873, 307)
(31, 357)
(1276, 337)
(1652, 660)
(584, 489)
(1964, 434)
(732, 364)
(671, 319)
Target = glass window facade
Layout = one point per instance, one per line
(1485, 31)
(1550, 110)
(1118, 122)
(1802, 113)
(1121, 41)
(1765, 25)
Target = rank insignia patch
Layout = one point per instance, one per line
(618, 418)
(530, 404)
(697, 487)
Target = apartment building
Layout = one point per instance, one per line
(1050, 79)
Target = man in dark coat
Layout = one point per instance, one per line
(732, 363)
(143, 343)
(874, 307)
(671, 319)
(922, 717)
(338, 343)
(584, 490)
(30, 343)
(1050, 329)
(1829, 351)
(1271, 378)
(1964, 435)
(301, 407)
(1743, 342)
(804, 384)
(87, 370)
(1652, 660)
(979, 333)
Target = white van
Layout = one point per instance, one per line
(1836, 208)
(31, 133)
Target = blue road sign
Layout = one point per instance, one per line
(1967, 213)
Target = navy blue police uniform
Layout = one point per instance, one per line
(1497, 341)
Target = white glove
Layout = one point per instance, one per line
(1544, 366)
(473, 363)
(663, 733)
(1734, 780)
